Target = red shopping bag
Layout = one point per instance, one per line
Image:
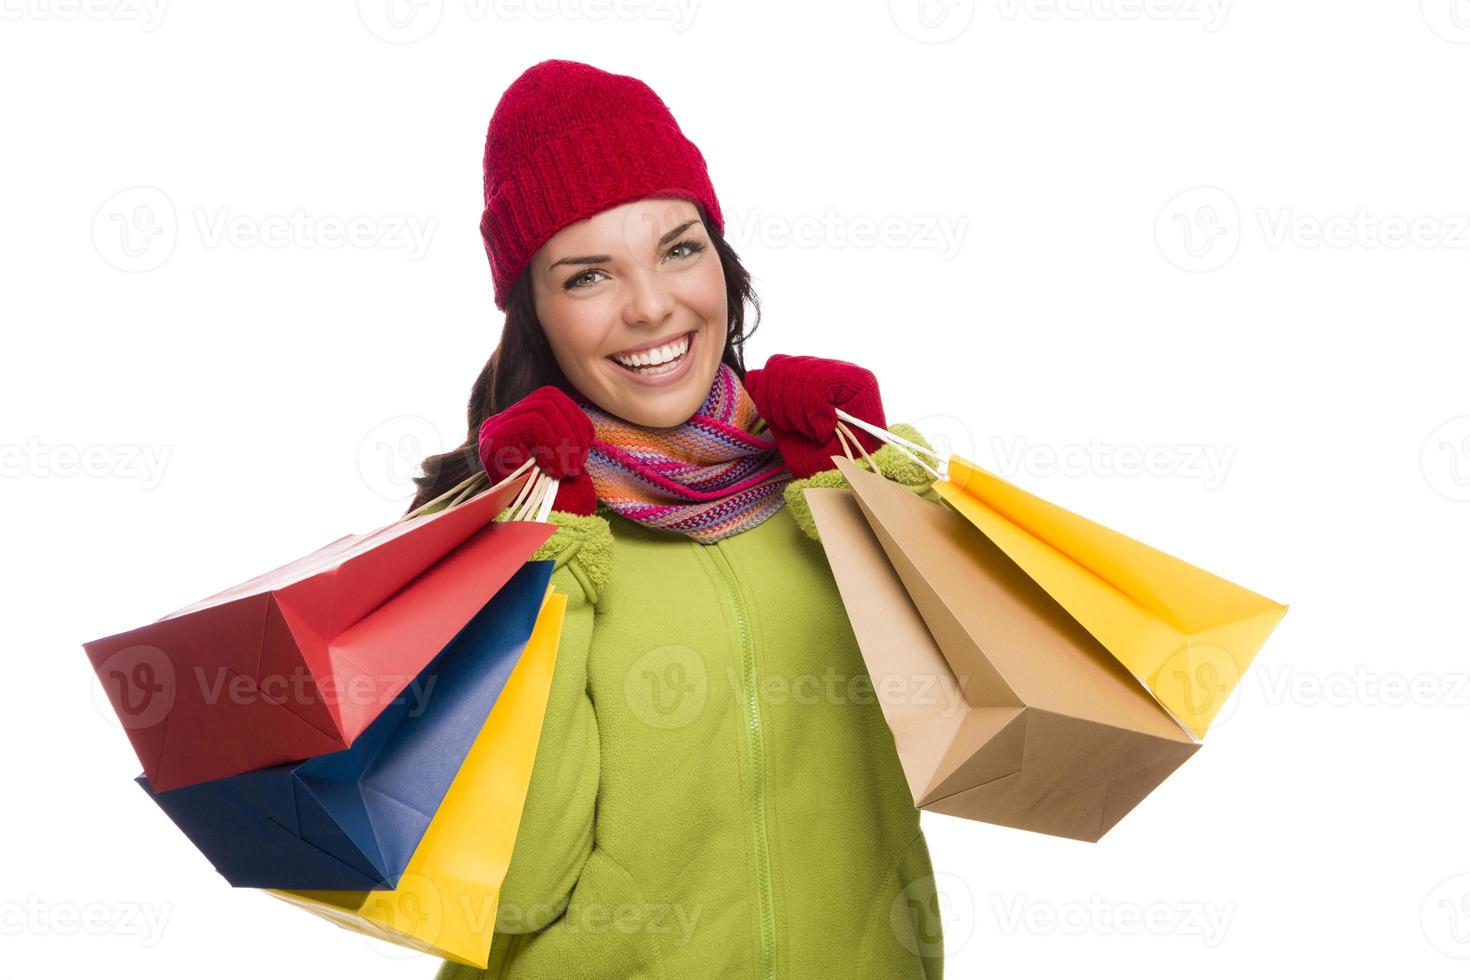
(297, 662)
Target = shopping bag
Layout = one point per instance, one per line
(351, 820)
(1047, 732)
(1187, 635)
(446, 901)
(297, 662)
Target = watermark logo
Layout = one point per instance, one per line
(1445, 916)
(1199, 229)
(932, 21)
(135, 687)
(654, 215)
(667, 687)
(933, 913)
(1445, 458)
(1199, 678)
(947, 435)
(136, 229)
(389, 455)
(415, 908)
(1450, 19)
(400, 21)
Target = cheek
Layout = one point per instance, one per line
(706, 298)
(575, 340)
(710, 291)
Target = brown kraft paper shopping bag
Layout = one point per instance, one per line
(1052, 734)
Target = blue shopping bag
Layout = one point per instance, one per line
(350, 820)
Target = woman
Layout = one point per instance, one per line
(715, 792)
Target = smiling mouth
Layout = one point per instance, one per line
(657, 360)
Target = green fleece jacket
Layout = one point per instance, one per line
(715, 793)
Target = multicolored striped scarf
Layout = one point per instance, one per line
(708, 477)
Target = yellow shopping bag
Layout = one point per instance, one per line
(1186, 634)
(447, 899)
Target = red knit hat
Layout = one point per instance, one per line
(568, 141)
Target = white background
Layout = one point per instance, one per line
(1228, 238)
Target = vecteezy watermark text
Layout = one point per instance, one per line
(138, 229)
(35, 916)
(147, 14)
(139, 685)
(1203, 462)
(1098, 916)
(408, 21)
(33, 458)
(300, 229)
(942, 234)
(1201, 229)
(1210, 14)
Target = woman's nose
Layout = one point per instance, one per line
(650, 300)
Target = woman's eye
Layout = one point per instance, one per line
(580, 280)
(694, 247)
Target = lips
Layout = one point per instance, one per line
(667, 373)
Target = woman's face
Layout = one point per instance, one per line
(636, 283)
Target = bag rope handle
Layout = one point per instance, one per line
(536, 498)
(848, 440)
(533, 502)
(898, 442)
(525, 490)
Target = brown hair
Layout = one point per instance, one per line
(523, 362)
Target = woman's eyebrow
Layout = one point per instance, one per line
(668, 236)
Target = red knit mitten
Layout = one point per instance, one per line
(798, 396)
(548, 426)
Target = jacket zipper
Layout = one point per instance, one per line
(757, 756)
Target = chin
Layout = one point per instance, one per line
(661, 413)
(662, 409)
(659, 405)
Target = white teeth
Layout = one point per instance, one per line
(671, 351)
